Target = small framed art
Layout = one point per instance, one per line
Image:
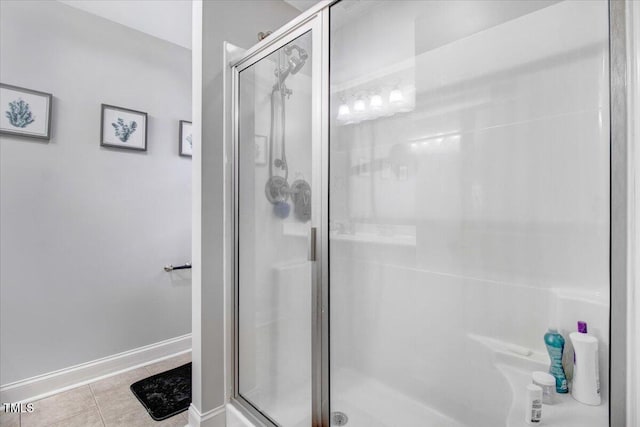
(123, 128)
(25, 112)
(185, 139)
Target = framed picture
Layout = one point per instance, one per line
(261, 150)
(25, 112)
(123, 128)
(185, 139)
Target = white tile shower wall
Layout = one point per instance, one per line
(507, 186)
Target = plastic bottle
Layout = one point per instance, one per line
(547, 383)
(533, 405)
(555, 346)
(586, 375)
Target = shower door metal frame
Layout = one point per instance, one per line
(619, 278)
(314, 20)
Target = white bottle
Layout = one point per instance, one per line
(586, 376)
(533, 404)
(547, 383)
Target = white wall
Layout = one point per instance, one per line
(166, 19)
(86, 230)
(237, 22)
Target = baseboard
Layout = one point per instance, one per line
(44, 385)
(235, 418)
(213, 418)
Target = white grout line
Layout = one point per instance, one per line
(104, 423)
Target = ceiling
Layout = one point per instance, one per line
(169, 20)
(302, 5)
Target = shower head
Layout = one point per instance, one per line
(295, 64)
(301, 52)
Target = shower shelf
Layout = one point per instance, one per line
(294, 229)
(398, 240)
(513, 354)
(516, 363)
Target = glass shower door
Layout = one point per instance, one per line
(274, 274)
(469, 207)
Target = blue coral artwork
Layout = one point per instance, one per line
(123, 128)
(25, 112)
(124, 131)
(19, 113)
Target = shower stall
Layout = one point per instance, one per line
(420, 190)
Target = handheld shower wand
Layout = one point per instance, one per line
(277, 189)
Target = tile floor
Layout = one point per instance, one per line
(104, 403)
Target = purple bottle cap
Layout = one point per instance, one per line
(582, 327)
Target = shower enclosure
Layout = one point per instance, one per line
(421, 189)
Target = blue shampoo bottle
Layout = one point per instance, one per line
(555, 346)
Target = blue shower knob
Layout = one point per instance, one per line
(281, 209)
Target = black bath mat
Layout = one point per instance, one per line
(165, 394)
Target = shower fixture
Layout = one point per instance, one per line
(293, 64)
(277, 189)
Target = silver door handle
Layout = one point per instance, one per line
(312, 244)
